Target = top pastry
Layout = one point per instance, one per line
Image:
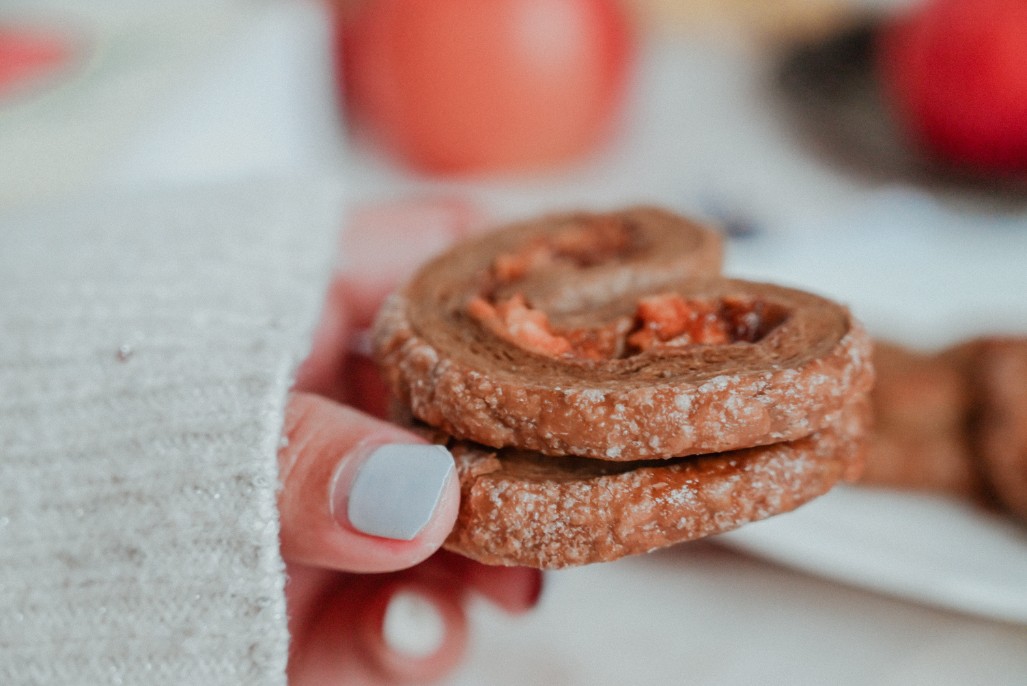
(613, 336)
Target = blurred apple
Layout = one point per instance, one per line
(955, 74)
(27, 54)
(484, 85)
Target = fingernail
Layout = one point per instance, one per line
(412, 625)
(396, 490)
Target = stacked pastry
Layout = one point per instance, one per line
(606, 391)
(953, 422)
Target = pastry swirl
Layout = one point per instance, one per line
(606, 392)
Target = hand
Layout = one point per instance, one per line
(356, 600)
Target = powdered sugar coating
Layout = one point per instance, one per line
(522, 508)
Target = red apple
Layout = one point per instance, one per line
(484, 85)
(955, 75)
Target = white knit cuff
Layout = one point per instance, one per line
(146, 349)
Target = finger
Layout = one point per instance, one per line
(385, 243)
(365, 388)
(306, 591)
(382, 629)
(381, 246)
(514, 589)
(415, 632)
(323, 368)
(358, 494)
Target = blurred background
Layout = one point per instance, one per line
(870, 150)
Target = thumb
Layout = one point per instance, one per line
(359, 494)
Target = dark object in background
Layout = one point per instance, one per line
(834, 102)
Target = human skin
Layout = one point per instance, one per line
(341, 581)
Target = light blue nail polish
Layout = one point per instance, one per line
(397, 490)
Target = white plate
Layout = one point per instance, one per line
(918, 547)
(924, 276)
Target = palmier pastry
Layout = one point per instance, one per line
(1000, 423)
(576, 362)
(661, 365)
(920, 441)
(953, 422)
(524, 508)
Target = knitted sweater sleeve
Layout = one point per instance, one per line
(146, 349)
